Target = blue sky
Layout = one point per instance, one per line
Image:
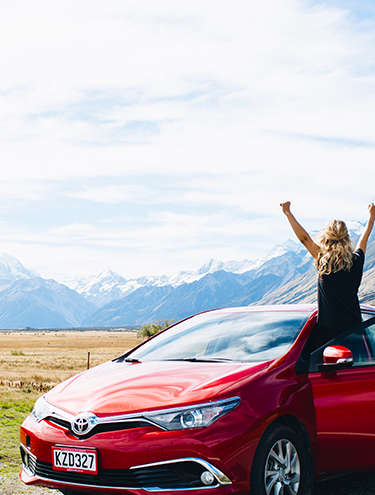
(148, 137)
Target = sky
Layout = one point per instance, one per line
(149, 137)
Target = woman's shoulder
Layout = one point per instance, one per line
(359, 253)
(358, 257)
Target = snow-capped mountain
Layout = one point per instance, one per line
(109, 286)
(284, 275)
(40, 303)
(28, 300)
(355, 229)
(12, 269)
(217, 289)
(102, 288)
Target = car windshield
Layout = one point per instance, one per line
(245, 337)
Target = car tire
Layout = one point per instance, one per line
(282, 464)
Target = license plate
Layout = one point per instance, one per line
(77, 460)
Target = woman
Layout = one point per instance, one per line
(340, 270)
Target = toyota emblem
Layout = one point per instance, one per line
(81, 425)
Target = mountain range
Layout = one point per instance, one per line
(286, 275)
(28, 300)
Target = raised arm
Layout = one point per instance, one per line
(300, 232)
(362, 242)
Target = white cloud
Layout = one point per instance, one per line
(195, 118)
(113, 193)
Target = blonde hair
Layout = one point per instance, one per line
(335, 248)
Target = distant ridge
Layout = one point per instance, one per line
(285, 275)
(12, 269)
(109, 286)
(76, 329)
(28, 300)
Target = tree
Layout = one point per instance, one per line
(151, 329)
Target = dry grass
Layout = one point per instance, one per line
(48, 358)
(30, 364)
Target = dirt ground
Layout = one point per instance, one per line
(355, 484)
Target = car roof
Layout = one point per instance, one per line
(367, 307)
(304, 308)
(310, 309)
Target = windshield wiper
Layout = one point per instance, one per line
(131, 360)
(200, 359)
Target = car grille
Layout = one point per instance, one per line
(172, 476)
(123, 425)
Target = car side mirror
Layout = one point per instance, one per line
(336, 357)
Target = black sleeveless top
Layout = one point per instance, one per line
(338, 305)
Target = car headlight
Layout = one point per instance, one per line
(197, 416)
(41, 409)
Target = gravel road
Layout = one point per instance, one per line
(350, 484)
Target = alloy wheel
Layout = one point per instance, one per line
(282, 469)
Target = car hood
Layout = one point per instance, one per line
(119, 387)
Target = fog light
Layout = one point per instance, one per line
(25, 458)
(207, 478)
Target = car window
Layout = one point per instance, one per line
(249, 337)
(366, 315)
(370, 337)
(360, 342)
(361, 345)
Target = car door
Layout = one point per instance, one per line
(344, 402)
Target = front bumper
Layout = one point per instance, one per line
(146, 459)
(175, 475)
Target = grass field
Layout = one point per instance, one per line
(33, 362)
(30, 364)
(47, 358)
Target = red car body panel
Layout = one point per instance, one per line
(147, 386)
(345, 417)
(335, 411)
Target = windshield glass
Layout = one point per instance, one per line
(258, 336)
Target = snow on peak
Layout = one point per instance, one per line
(108, 285)
(277, 251)
(12, 269)
(355, 228)
(211, 266)
(283, 248)
(106, 278)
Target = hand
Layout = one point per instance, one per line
(286, 207)
(371, 210)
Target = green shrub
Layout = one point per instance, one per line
(151, 329)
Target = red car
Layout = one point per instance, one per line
(222, 402)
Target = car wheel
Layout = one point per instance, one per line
(281, 464)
